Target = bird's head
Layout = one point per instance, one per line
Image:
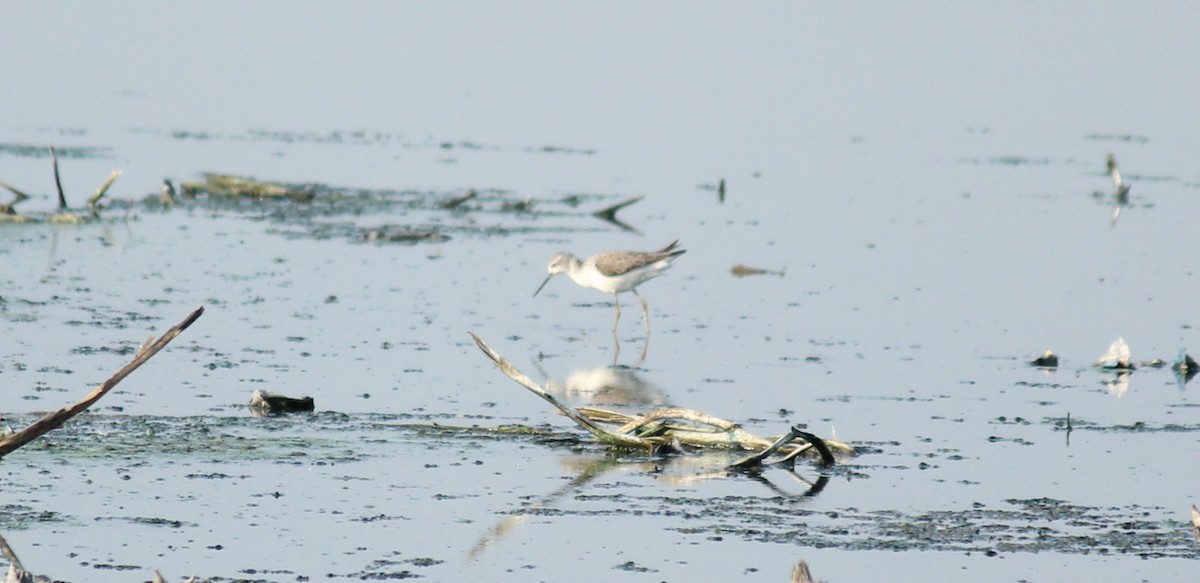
(558, 264)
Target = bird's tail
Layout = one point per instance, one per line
(671, 250)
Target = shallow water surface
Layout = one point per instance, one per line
(926, 190)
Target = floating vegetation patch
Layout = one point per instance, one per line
(321, 211)
(15, 516)
(389, 569)
(1117, 138)
(43, 151)
(1007, 161)
(1073, 424)
(306, 206)
(227, 186)
(320, 436)
(351, 137)
(1152, 178)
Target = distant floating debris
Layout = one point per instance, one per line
(1118, 138)
(1185, 363)
(458, 200)
(1113, 171)
(167, 195)
(229, 186)
(521, 206)
(8, 213)
(1018, 161)
(405, 236)
(1117, 357)
(268, 403)
(740, 270)
(1048, 360)
(1185, 368)
(718, 188)
(1121, 195)
(563, 150)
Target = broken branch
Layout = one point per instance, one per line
(103, 188)
(55, 420)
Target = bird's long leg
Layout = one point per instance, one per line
(616, 340)
(617, 305)
(645, 313)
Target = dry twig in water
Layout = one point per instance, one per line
(95, 199)
(18, 196)
(55, 420)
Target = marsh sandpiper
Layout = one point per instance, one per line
(615, 272)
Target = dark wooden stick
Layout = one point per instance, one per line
(55, 420)
(58, 180)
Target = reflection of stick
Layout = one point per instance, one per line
(590, 472)
(54, 420)
(62, 198)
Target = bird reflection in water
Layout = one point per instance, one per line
(606, 385)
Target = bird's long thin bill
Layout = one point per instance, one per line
(544, 282)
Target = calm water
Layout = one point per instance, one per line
(930, 178)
